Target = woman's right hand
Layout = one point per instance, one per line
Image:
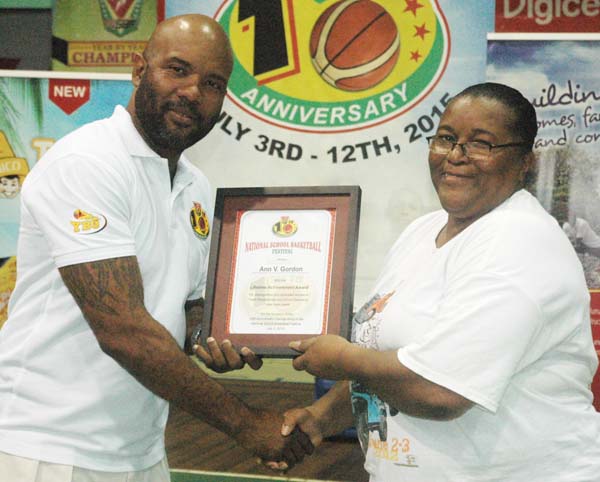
(303, 419)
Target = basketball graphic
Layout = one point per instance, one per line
(354, 44)
(333, 65)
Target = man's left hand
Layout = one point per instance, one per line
(224, 358)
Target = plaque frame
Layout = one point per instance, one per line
(343, 200)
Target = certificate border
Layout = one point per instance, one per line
(325, 314)
(344, 200)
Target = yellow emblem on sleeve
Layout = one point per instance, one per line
(199, 221)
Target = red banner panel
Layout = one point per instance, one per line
(595, 316)
(548, 16)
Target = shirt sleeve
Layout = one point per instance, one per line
(203, 191)
(483, 331)
(81, 206)
(491, 318)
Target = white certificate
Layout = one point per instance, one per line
(281, 272)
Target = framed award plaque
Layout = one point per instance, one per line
(282, 266)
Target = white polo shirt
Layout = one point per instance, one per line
(99, 193)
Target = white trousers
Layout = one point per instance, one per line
(19, 469)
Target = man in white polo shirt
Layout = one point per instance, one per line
(112, 252)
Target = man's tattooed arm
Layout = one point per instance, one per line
(94, 285)
(110, 295)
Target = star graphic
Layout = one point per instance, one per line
(412, 6)
(421, 31)
(415, 56)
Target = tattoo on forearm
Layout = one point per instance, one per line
(103, 286)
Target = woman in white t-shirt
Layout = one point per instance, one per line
(473, 357)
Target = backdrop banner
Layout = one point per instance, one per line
(324, 92)
(328, 92)
(559, 74)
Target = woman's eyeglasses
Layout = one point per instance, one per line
(474, 150)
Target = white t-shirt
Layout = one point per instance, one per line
(99, 193)
(500, 315)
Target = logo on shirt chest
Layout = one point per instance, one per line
(199, 221)
(366, 323)
(87, 223)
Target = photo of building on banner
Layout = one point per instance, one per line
(39, 108)
(559, 74)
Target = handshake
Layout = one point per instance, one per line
(279, 441)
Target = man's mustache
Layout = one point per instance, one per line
(185, 107)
